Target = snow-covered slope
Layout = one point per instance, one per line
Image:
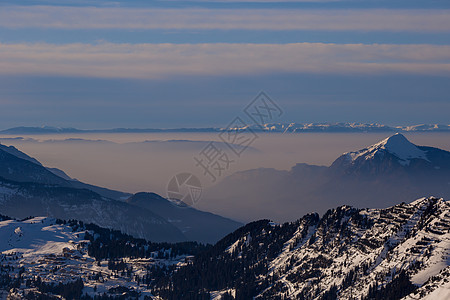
(401, 251)
(44, 258)
(392, 154)
(374, 246)
(36, 236)
(396, 145)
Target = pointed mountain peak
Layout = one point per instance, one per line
(395, 141)
(398, 137)
(397, 145)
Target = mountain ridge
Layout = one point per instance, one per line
(190, 221)
(23, 199)
(29, 188)
(269, 127)
(18, 166)
(348, 253)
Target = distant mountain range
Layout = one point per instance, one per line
(27, 188)
(57, 130)
(269, 127)
(344, 127)
(378, 176)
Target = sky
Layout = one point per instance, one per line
(167, 64)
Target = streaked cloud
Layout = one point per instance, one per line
(417, 20)
(164, 60)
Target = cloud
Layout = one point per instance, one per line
(108, 60)
(417, 20)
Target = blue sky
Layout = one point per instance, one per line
(102, 64)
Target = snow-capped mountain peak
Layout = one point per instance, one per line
(396, 144)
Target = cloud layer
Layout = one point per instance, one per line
(163, 60)
(417, 20)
